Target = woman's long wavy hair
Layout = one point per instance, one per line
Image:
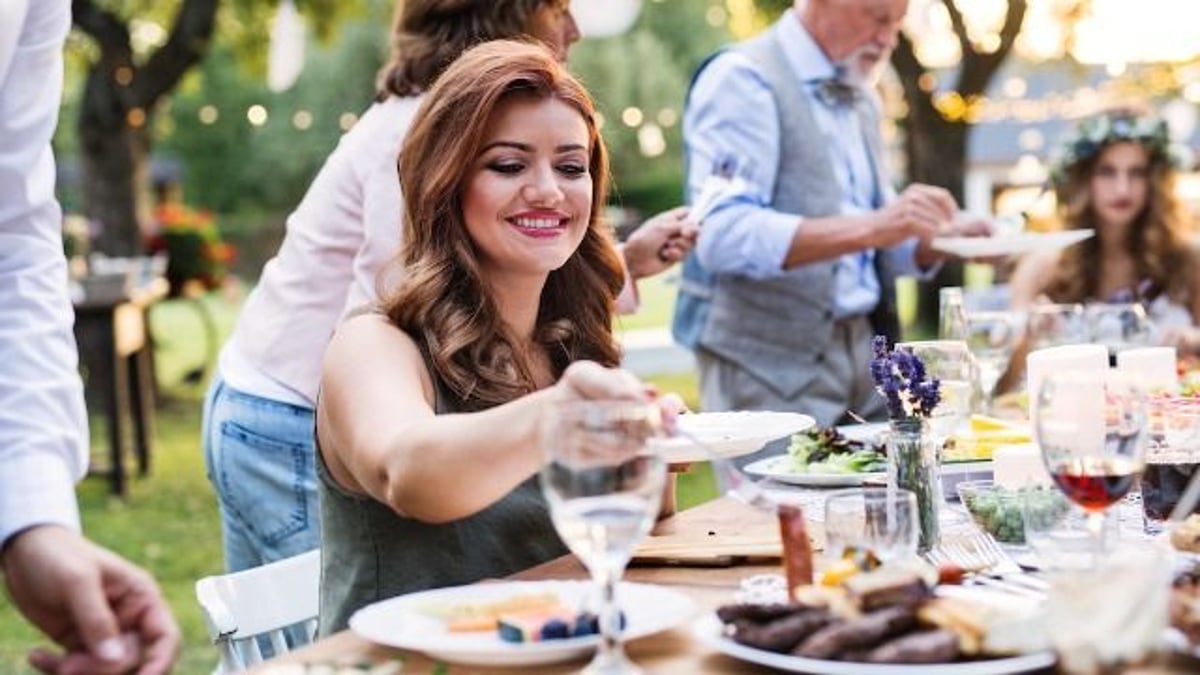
(428, 35)
(1157, 240)
(441, 298)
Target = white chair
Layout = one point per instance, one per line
(263, 601)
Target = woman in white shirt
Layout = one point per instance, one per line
(258, 417)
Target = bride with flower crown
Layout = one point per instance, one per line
(1116, 174)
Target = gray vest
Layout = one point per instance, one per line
(370, 553)
(779, 328)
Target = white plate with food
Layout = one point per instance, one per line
(729, 434)
(1009, 244)
(782, 468)
(451, 624)
(1021, 624)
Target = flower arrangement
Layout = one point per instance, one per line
(912, 454)
(194, 247)
(1096, 133)
(900, 376)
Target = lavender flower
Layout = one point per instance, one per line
(901, 378)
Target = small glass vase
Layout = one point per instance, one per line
(912, 461)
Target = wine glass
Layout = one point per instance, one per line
(1092, 429)
(992, 337)
(950, 362)
(604, 484)
(883, 521)
(1119, 325)
(1050, 325)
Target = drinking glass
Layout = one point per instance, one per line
(1050, 325)
(1172, 457)
(950, 362)
(992, 337)
(1119, 325)
(883, 521)
(1091, 427)
(604, 484)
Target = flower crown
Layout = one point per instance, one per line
(1096, 133)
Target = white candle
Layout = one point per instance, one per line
(1017, 466)
(1156, 366)
(1061, 359)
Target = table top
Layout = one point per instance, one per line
(674, 651)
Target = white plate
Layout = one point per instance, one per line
(709, 630)
(779, 468)
(404, 622)
(1012, 244)
(730, 434)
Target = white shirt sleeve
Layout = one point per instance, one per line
(43, 425)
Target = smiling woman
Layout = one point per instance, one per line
(428, 422)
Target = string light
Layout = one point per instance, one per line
(632, 117)
(257, 114)
(302, 120)
(208, 114)
(347, 120)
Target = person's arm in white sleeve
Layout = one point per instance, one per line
(43, 425)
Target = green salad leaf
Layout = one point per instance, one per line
(826, 450)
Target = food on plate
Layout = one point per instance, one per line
(483, 616)
(985, 435)
(887, 615)
(1185, 535)
(827, 450)
(553, 623)
(997, 510)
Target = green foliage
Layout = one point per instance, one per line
(649, 68)
(231, 165)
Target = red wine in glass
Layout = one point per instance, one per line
(1095, 483)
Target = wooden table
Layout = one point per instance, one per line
(115, 356)
(674, 651)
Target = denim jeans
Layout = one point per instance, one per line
(260, 453)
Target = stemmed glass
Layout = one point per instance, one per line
(1091, 427)
(883, 521)
(992, 337)
(950, 362)
(1050, 325)
(1119, 325)
(604, 484)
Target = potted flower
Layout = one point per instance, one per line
(911, 395)
(195, 252)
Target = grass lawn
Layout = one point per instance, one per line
(169, 523)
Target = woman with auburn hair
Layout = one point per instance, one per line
(257, 431)
(428, 448)
(1117, 175)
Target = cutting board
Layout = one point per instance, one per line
(708, 536)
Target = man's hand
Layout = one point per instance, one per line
(660, 242)
(921, 211)
(106, 613)
(969, 226)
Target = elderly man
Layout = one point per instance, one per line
(794, 269)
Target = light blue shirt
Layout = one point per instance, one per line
(732, 121)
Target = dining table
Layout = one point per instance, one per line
(708, 581)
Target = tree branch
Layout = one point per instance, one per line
(102, 26)
(979, 67)
(960, 28)
(909, 69)
(187, 45)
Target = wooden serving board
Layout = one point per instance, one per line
(742, 535)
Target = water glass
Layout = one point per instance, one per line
(992, 337)
(604, 484)
(950, 362)
(883, 521)
(1114, 613)
(1119, 325)
(1050, 325)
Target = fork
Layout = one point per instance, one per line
(988, 565)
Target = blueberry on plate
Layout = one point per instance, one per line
(555, 629)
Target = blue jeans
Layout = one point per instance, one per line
(260, 455)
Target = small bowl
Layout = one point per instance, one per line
(999, 511)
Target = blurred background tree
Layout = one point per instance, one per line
(134, 55)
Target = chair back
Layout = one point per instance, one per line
(263, 602)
